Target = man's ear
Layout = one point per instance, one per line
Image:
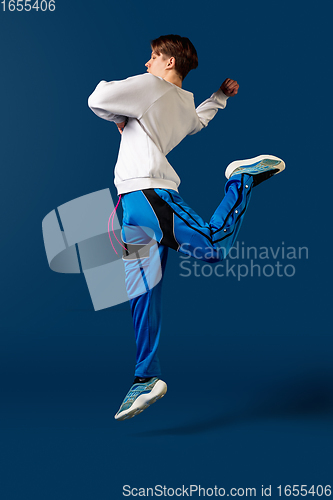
(171, 63)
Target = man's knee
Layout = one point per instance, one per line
(212, 254)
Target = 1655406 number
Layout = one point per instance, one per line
(28, 5)
(304, 490)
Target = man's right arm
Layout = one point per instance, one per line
(116, 100)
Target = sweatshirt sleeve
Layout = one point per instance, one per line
(208, 109)
(116, 100)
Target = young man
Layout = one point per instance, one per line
(154, 113)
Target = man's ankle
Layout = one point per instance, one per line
(141, 380)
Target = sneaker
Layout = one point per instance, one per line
(261, 167)
(140, 396)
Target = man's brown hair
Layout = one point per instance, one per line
(179, 47)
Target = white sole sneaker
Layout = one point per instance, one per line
(273, 163)
(142, 401)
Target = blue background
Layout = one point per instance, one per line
(248, 363)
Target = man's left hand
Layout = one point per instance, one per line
(229, 87)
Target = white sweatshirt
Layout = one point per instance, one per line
(160, 114)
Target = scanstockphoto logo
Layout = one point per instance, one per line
(242, 261)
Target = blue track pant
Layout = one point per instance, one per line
(175, 225)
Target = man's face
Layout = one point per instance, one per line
(157, 64)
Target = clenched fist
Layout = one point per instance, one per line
(229, 87)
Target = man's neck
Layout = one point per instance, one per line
(176, 80)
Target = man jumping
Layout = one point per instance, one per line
(153, 114)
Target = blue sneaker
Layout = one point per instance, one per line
(140, 396)
(261, 168)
